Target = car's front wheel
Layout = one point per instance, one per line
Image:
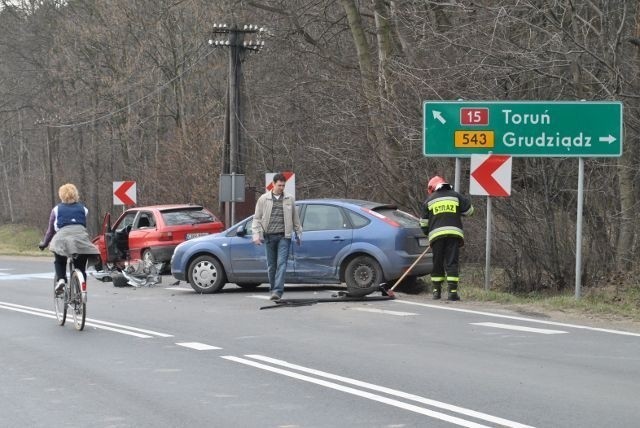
(206, 275)
(363, 275)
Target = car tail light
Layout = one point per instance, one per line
(166, 236)
(381, 217)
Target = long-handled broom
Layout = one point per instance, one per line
(390, 292)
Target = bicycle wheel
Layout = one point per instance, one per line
(60, 303)
(77, 302)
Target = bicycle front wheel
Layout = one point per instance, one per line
(60, 303)
(77, 302)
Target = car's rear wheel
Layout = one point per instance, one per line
(206, 275)
(248, 285)
(363, 275)
(147, 256)
(150, 260)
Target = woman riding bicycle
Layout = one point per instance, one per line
(67, 234)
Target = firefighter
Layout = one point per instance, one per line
(442, 222)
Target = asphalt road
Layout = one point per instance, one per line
(166, 356)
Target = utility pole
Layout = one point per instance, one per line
(238, 40)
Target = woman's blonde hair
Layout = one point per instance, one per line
(68, 193)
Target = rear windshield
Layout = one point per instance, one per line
(403, 218)
(187, 216)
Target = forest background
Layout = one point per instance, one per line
(97, 91)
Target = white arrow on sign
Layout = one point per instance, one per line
(438, 116)
(610, 139)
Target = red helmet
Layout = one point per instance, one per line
(434, 183)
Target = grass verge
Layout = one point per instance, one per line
(16, 239)
(621, 303)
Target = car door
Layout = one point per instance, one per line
(326, 236)
(248, 260)
(121, 230)
(106, 242)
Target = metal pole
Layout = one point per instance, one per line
(487, 264)
(233, 198)
(233, 100)
(456, 182)
(234, 64)
(579, 226)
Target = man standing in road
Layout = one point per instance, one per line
(441, 222)
(274, 222)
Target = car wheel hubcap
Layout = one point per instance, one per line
(363, 275)
(205, 274)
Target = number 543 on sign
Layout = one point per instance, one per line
(471, 139)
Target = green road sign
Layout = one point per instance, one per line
(527, 128)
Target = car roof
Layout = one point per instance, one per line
(345, 202)
(166, 207)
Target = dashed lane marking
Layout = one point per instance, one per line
(197, 346)
(519, 328)
(10, 277)
(384, 311)
(489, 314)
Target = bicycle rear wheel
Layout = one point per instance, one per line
(77, 302)
(60, 303)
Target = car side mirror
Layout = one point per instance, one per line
(241, 231)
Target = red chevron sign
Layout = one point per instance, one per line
(124, 193)
(490, 175)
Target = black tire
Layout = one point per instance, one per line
(119, 280)
(79, 306)
(206, 275)
(249, 285)
(60, 303)
(411, 285)
(363, 275)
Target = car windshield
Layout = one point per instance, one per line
(403, 218)
(187, 216)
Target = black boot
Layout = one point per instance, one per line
(437, 291)
(453, 291)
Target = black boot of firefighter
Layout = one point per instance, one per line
(437, 290)
(453, 291)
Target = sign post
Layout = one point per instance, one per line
(526, 129)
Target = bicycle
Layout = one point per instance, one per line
(73, 296)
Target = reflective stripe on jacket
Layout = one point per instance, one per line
(442, 214)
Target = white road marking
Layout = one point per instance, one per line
(197, 346)
(375, 397)
(257, 296)
(519, 328)
(9, 277)
(179, 289)
(103, 325)
(384, 311)
(489, 314)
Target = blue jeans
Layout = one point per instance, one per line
(277, 249)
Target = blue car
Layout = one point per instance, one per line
(360, 243)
